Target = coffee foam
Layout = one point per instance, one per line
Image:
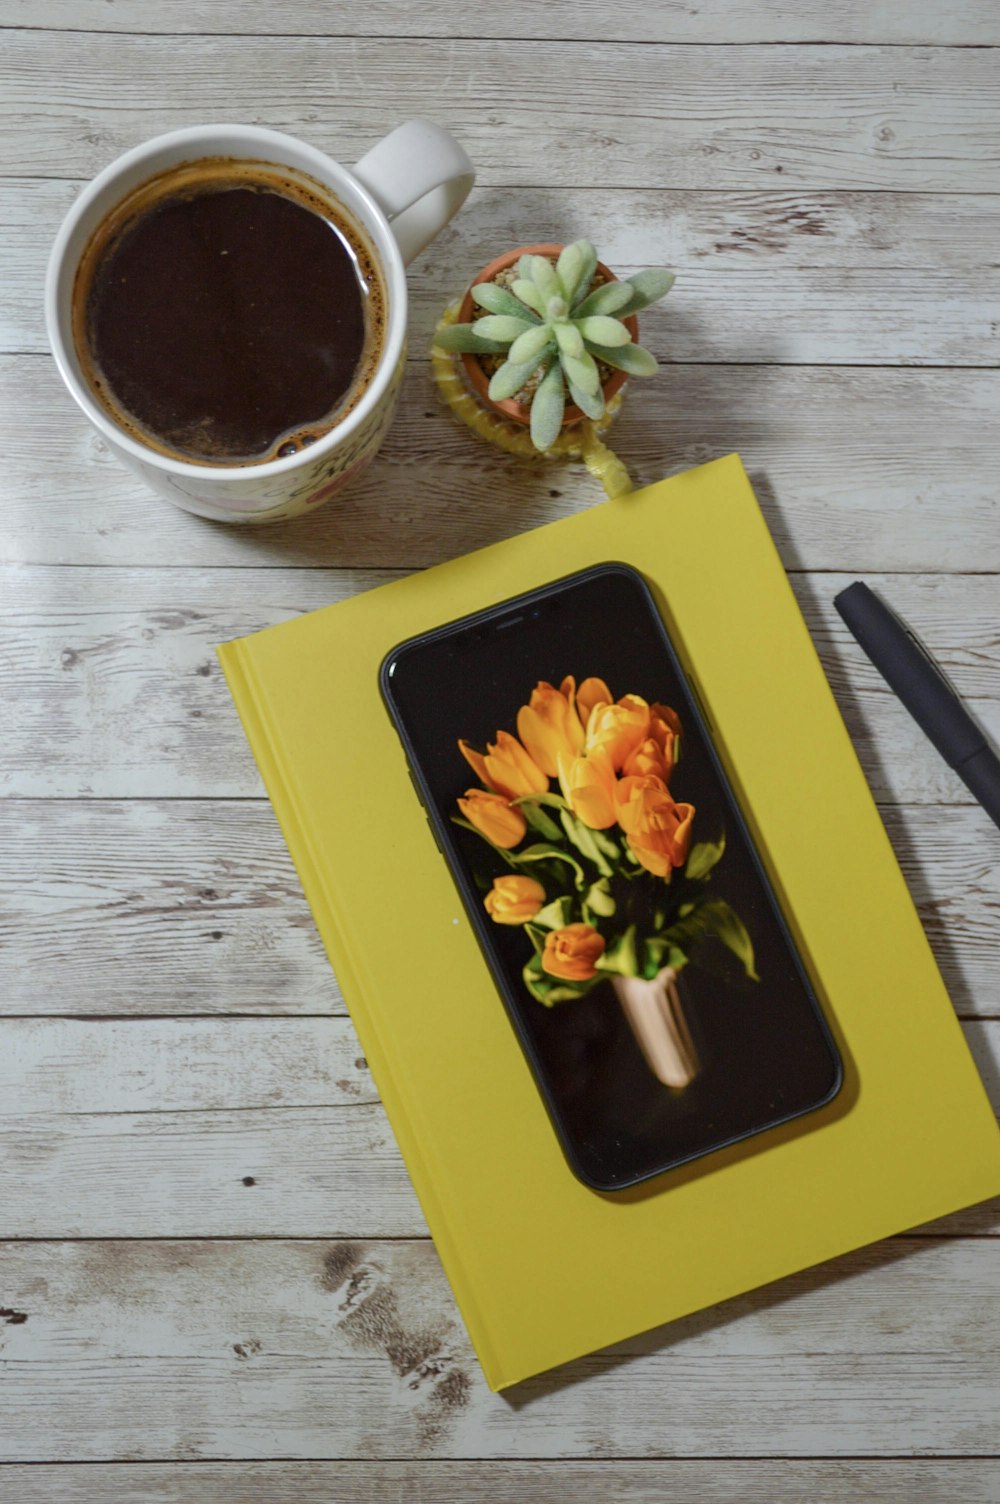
(208, 174)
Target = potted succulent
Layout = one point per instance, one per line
(548, 335)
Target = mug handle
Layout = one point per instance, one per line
(420, 177)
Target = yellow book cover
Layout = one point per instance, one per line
(545, 1268)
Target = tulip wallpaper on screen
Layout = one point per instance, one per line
(626, 920)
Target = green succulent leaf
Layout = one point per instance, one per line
(526, 291)
(586, 274)
(589, 403)
(510, 378)
(569, 339)
(543, 274)
(498, 300)
(568, 268)
(547, 408)
(575, 268)
(465, 339)
(647, 287)
(530, 344)
(610, 297)
(508, 327)
(601, 330)
(582, 373)
(631, 358)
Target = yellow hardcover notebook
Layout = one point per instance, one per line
(544, 1268)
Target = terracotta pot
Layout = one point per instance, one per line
(656, 1016)
(478, 379)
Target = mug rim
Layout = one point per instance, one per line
(390, 264)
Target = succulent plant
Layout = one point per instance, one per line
(553, 328)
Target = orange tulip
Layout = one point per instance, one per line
(588, 786)
(514, 899)
(573, 953)
(620, 728)
(657, 828)
(669, 717)
(650, 757)
(591, 692)
(496, 819)
(506, 769)
(549, 724)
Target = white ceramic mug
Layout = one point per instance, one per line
(401, 194)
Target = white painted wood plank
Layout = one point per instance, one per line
(241, 1127)
(682, 116)
(180, 907)
(857, 470)
(666, 1480)
(274, 1350)
(791, 277)
(61, 1066)
(280, 1170)
(189, 907)
(949, 22)
(116, 693)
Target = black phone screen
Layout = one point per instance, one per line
(610, 877)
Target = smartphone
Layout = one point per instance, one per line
(570, 780)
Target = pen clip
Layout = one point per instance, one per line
(921, 647)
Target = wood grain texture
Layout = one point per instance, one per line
(951, 22)
(833, 214)
(276, 1171)
(101, 1066)
(859, 470)
(786, 277)
(666, 1480)
(227, 1128)
(732, 117)
(182, 907)
(177, 907)
(325, 1350)
(117, 693)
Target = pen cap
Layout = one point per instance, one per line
(908, 668)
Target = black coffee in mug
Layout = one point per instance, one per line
(227, 313)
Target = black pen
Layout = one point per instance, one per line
(909, 669)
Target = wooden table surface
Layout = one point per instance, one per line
(197, 1181)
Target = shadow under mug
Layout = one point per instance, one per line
(401, 194)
